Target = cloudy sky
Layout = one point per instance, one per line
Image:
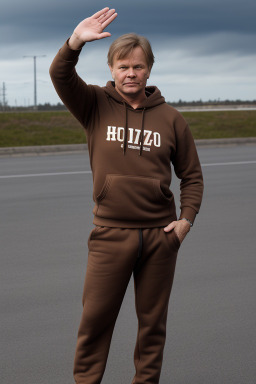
(204, 49)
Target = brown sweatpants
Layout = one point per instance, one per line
(114, 255)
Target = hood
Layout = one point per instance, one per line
(154, 98)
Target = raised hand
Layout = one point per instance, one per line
(92, 28)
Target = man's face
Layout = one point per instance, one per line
(130, 74)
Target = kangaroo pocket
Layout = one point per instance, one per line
(134, 198)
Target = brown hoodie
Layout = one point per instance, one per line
(131, 177)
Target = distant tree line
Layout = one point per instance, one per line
(197, 103)
(180, 103)
(40, 107)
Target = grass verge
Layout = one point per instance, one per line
(53, 128)
(222, 124)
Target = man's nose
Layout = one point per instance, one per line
(131, 73)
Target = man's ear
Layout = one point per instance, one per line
(112, 72)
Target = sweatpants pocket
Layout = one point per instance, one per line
(177, 240)
(173, 240)
(132, 198)
(92, 233)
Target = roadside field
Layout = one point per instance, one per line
(222, 124)
(19, 129)
(53, 128)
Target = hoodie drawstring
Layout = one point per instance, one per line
(126, 130)
(141, 139)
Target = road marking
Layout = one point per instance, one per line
(44, 174)
(229, 163)
(85, 172)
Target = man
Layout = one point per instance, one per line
(133, 136)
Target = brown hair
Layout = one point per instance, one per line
(123, 46)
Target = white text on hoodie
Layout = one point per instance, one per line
(117, 134)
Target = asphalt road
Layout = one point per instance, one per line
(46, 216)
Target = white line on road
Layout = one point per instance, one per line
(230, 163)
(45, 174)
(84, 172)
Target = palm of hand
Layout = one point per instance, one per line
(92, 27)
(89, 29)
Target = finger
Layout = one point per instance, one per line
(99, 13)
(105, 16)
(101, 17)
(170, 226)
(107, 22)
(104, 34)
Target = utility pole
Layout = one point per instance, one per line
(35, 87)
(4, 97)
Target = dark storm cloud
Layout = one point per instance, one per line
(34, 21)
(204, 49)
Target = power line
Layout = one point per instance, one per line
(35, 86)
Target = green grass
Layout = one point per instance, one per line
(39, 128)
(221, 124)
(49, 128)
